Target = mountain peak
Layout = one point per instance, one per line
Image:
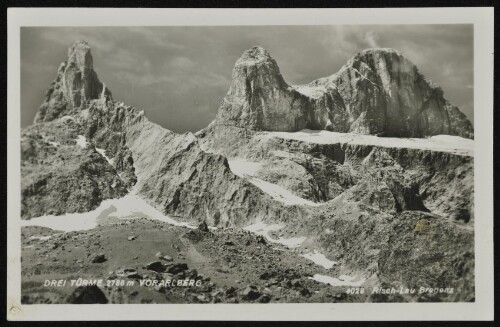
(378, 91)
(78, 45)
(380, 50)
(372, 55)
(76, 82)
(79, 53)
(256, 80)
(253, 56)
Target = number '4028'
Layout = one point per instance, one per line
(355, 290)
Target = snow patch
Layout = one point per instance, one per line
(281, 194)
(342, 280)
(243, 168)
(364, 77)
(442, 143)
(130, 206)
(248, 169)
(41, 238)
(263, 229)
(64, 118)
(281, 153)
(311, 91)
(81, 141)
(55, 144)
(102, 152)
(319, 259)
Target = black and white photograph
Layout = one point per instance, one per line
(248, 164)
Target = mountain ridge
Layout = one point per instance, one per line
(112, 125)
(365, 96)
(377, 91)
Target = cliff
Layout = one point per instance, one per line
(75, 84)
(378, 91)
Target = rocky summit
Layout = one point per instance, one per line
(360, 179)
(377, 92)
(76, 84)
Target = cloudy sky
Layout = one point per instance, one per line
(179, 75)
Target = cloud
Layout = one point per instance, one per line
(153, 36)
(33, 68)
(126, 60)
(68, 35)
(182, 63)
(370, 39)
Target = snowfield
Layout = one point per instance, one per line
(281, 194)
(81, 141)
(312, 91)
(131, 206)
(443, 143)
(247, 169)
(319, 259)
(244, 168)
(263, 229)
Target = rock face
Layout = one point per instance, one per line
(260, 99)
(377, 92)
(60, 176)
(173, 173)
(385, 93)
(76, 83)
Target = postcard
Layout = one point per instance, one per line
(250, 164)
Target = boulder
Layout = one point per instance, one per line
(176, 268)
(87, 295)
(203, 226)
(250, 293)
(99, 258)
(167, 258)
(156, 266)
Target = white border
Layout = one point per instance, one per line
(482, 18)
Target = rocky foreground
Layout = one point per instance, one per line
(327, 162)
(228, 266)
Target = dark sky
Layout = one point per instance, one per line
(179, 75)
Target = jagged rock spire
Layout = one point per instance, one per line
(255, 69)
(76, 82)
(258, 97)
